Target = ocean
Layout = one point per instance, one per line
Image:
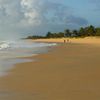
(12, 52)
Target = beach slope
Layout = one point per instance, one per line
(68, 72)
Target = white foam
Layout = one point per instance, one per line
(4, 45)
(22, 44)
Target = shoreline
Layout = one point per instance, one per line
(68, 71)
(11, 62)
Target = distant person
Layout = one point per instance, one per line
(67, 40)
(64, 41)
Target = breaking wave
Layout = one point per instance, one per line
(4, 45)
(22, 44)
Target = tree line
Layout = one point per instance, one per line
(82, 32)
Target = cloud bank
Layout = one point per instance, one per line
(23, 17)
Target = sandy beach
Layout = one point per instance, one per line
(70, 71)
(86, 40)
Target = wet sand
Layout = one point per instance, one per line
(69, 72)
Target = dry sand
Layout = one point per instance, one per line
(69, 72)
(86, 40)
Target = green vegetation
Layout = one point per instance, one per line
(35, 37)
(82, 32)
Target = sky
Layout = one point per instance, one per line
(20, 18)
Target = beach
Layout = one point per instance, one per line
(84, 40)
(69, 71)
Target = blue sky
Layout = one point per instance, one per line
(88, 9)
(26, 17)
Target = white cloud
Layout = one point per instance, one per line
(22, 16)
(31, 15)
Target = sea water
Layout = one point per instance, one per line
(11, 52)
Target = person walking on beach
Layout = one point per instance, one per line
(64, 41)
(67, 41)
